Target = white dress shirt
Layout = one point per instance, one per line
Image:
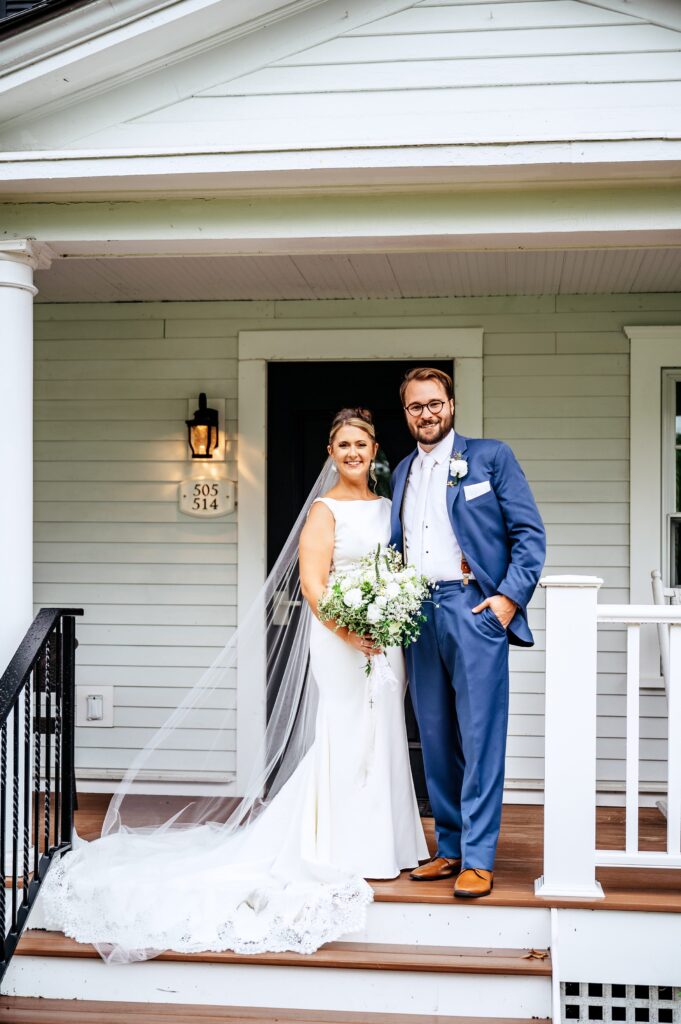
(430, 542)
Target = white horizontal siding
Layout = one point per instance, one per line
(440, 16)
(450, 72)
(425, 39)
(158, 587)
(543, 113)
(171, 678)
(160, 599)
(444, 73)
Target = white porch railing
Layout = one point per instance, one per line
(570, 854)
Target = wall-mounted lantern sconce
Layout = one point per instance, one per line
(203, 430)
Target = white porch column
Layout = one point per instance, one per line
(17, 262)
(570, 738)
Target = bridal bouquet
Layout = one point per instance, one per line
(378, 597)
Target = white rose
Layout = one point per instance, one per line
(381, 601)
(458, 467)
(373, 613)
(392, 589)
(409, 587)
(353, 598)
(346, 584)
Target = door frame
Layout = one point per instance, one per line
(463, 345)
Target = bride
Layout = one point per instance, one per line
(331, 800)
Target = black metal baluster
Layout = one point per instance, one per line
(68, 732)
(48, 745)
(3, 835)
(58, 698)
(27, 788)
(15, 810)
(37, 680)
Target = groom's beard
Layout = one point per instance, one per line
(432, 437)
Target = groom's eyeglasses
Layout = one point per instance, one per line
(416, 408)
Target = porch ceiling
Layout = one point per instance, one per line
(361, 275)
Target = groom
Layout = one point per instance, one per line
(463, 513)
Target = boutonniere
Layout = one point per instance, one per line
(458, 467)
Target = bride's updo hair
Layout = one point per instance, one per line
(357, 417)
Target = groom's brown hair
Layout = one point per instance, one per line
(427, 373)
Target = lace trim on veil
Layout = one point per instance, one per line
(272, 918)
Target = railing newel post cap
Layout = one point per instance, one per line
(578, 582)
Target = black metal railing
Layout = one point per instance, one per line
(37, 778)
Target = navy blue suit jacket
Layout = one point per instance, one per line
(500, 530)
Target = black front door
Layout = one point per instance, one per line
(302, 401)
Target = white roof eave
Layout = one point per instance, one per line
(79, 49)
(641, 161)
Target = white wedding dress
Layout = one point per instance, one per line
(293, 878)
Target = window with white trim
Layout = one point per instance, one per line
(671, 476)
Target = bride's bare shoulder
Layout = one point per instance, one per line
(319, 527)
(320, 511)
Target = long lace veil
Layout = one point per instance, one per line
(268, 652)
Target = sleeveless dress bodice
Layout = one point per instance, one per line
(359, 527)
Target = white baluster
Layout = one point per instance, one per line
(674, 743)
(632, 769)
(570, 738)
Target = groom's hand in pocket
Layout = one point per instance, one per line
(503, 607)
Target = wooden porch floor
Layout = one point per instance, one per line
(519, 862)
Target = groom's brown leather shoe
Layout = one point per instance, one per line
(435, 868)
(474, 882)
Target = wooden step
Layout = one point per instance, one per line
(353, 955)
(358, 978)
(21, 1010)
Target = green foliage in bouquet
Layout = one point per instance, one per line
(379, 597)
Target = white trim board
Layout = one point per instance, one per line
(71, 173)
(653, 349)
(353, 221)
(256, 348)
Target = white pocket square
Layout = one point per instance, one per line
(475, 490)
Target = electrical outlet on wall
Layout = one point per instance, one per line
(94, 706)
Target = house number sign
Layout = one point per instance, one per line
(206, 497)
